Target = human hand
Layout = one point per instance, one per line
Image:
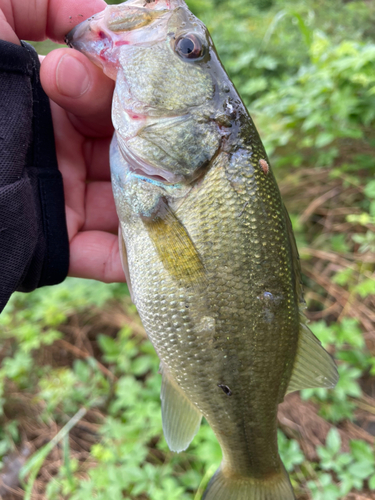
(81, 97)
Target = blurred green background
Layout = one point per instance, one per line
(305, 70)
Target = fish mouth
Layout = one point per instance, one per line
(95, 39)
(136, 22)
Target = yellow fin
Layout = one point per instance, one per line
(181, 419)
(175, 247)
(313, 366)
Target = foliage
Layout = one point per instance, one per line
(124, 461)
(352, 469)
(329, 99)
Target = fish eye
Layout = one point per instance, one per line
(189, 47)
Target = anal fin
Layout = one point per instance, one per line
(313, 366)
(181, 419)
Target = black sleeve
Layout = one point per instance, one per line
(34, 247)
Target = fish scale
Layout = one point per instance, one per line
(206, 243)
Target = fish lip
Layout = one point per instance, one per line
(159, 4)
(69, 37)
(90, 33)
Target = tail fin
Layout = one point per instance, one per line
(246, 488)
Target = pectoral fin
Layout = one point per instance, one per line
(181, 419)
(175, 247)
(313, 366)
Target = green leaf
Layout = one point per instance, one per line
(362, 451)
(34, 464)
(333, 440)
(366, 287)
(369, 189)
(108, 345)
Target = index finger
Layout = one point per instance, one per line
(63, 15)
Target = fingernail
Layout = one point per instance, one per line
(72, 78)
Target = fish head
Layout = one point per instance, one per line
(170, 85)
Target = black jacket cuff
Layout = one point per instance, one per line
(34, 245)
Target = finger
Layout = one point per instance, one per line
(40, 19)
(100, 208)
(6, 31)
(96, 153)
(81, 88)
(63, 16)
(72, 166)
(95, 255)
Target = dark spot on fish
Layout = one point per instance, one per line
(223, 121)
(225, 389)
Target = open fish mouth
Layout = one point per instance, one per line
(119, 25)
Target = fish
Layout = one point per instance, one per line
(206, 242)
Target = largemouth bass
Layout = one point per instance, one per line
(207, 244)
